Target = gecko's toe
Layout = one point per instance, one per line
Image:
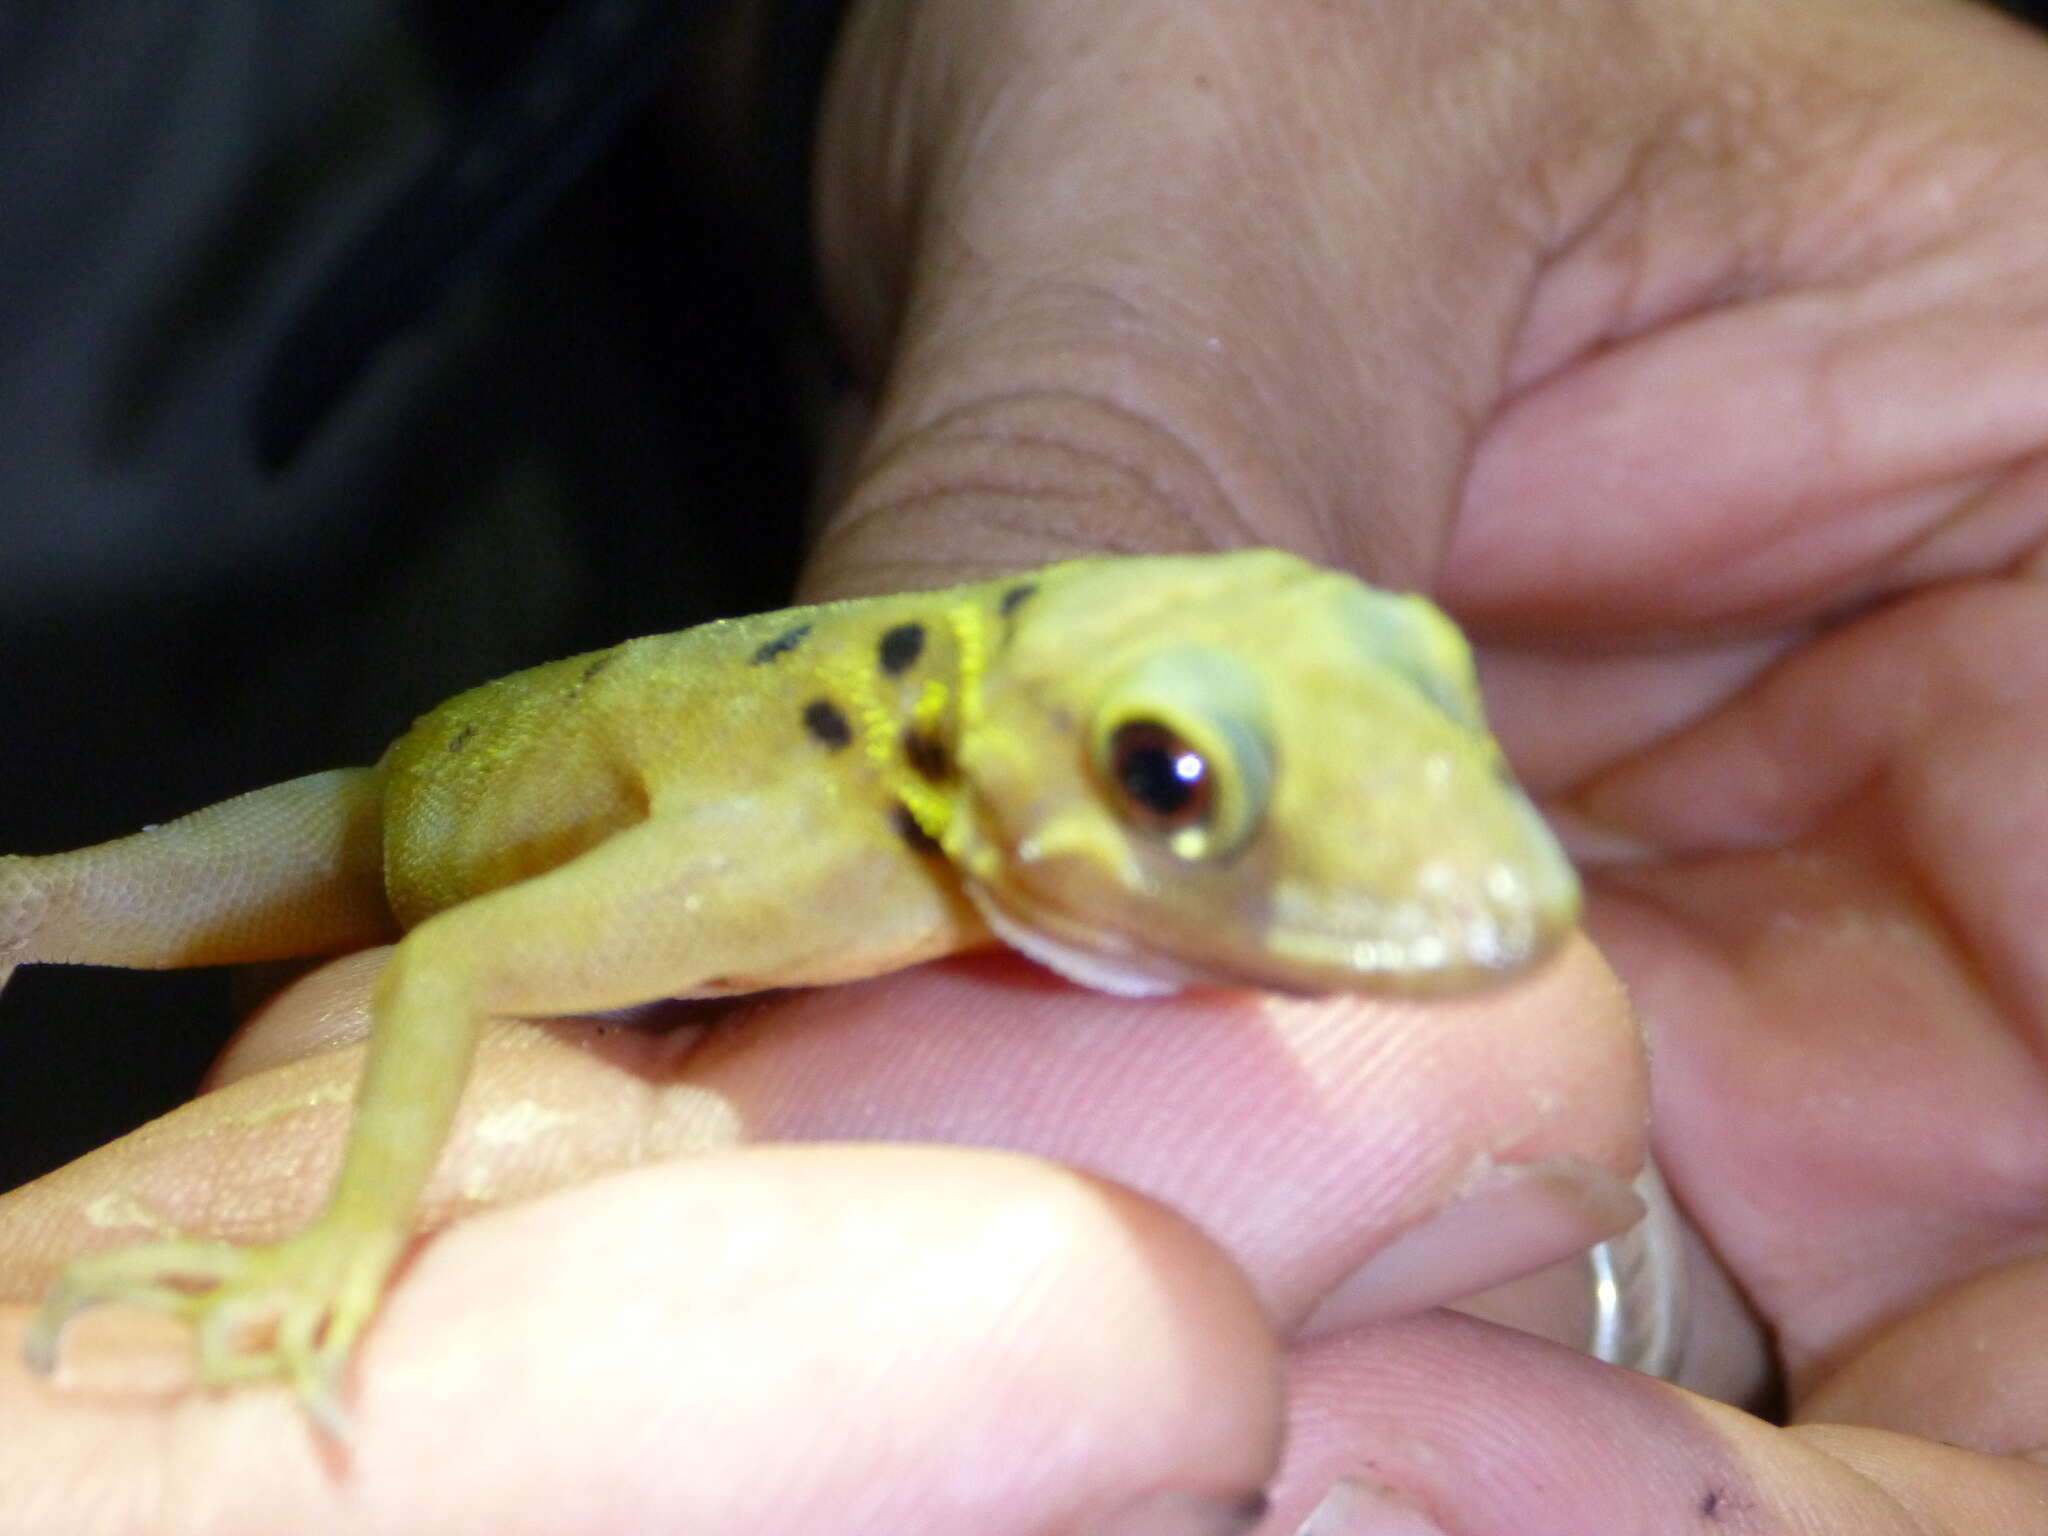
(291, 1311)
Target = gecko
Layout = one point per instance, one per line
(1147, 773)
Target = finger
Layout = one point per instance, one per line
(1969, 1367)
(1158, 276)
(253, 1159)
(1357, 1157)
(1797, 355)
(1848, 946)
(1446, 1424)
(1773, 760)
(827, 1339)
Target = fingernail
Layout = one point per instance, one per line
(1363, 1509)
(1514, 1220)
(1183, 1512)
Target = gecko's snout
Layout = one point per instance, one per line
(1452, 903)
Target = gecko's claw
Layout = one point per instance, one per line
(163, 1277)
(291, 1311)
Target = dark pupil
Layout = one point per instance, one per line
(1162, 775)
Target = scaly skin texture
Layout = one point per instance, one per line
(1149, 773)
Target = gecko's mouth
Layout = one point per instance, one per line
(1062, 946)
(1454, 924)
(1299, 962)
(1077, 950)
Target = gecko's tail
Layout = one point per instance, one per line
(21, 913)
(295, 869)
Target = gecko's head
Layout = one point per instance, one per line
(1243, 769)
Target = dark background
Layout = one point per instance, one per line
(630, 358)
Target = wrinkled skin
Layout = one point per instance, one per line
(1696, 355)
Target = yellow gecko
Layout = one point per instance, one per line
(1147, 773)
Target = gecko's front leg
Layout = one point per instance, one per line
(294, 1310)
(630, 920)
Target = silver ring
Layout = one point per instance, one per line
(1640, 1306)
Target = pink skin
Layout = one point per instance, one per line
(1696, 354)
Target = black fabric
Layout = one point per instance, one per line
(486, 183)
(588, 434)
(493, 174)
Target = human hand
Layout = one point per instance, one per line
(1697, 356)
(706, 1332)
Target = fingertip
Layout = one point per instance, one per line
(847, 1338)
(839, 1339)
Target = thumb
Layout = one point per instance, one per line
(1158, 276)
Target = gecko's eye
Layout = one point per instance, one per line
(1164, 781)
(1179, 756)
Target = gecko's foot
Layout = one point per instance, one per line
(292, 1310)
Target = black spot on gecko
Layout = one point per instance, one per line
(781, 645)
(596, 665)
(827, 724)
(1710, 1505)
(461, 738)
(914, 836)
(1016, 598)
(901, 647)
(927, 756)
